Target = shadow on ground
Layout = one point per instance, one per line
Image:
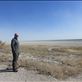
(6, 70)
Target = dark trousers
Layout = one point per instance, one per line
(14, 62)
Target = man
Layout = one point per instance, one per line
(15, 51)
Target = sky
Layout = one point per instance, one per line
(40, 20)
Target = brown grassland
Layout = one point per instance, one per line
(57, 61)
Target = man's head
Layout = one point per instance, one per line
(16, 35)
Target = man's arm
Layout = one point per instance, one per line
(13, 45)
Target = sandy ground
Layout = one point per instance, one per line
(55, 43)
(30, 76)
(22, 76)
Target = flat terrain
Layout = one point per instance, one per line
(40, 61)
(22, 75)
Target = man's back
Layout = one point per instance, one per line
(15, 45)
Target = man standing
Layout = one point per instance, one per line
(15, 51)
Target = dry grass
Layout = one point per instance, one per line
(63, 62)
(69, 60)
(34, 50)
(56, 70)
(5, 52)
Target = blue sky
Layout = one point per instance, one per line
(41, 20)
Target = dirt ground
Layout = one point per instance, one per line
(43, 62)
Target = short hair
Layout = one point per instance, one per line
(16, 35)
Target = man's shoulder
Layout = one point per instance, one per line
(13, 39)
